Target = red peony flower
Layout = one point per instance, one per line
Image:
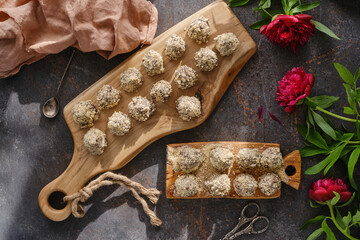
(289, 31)
(322, 190)
(294, 86)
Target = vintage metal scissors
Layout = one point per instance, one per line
(243, 219)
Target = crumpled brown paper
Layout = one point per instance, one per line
(31, 29)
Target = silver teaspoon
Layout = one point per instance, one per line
(51, 107)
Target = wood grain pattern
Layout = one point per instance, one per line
(292, 159)
(120, 150)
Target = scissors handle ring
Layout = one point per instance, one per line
(251, 225)
(246, 207)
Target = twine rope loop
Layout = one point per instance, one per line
(110, 178)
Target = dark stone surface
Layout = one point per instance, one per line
(35, 150)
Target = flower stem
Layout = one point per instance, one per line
(343, 231)
(335, 115)
(266, 12)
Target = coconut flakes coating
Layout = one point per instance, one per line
(85, 113)
(199, 30)
(221, 158)
(188, 107)
(119, 123)
(271, 159)
(95, 141)
(186, 186)
(245, 185)
(107, 97)
(131, 80)
(218, 185)
(206, 59)
(153, 63)
(185, 77)
(141, 108)
(161, 91)
(226, 43)
(269, 184)
(248, 158)
(174, 47)
(190, 159)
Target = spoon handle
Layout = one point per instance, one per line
(62, 78)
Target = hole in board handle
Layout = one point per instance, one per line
(56, 200)
(290, 170)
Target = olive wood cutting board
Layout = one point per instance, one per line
(291, 177)
(120, 150)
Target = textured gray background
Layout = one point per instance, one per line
(35, 150)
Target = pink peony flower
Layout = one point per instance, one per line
(294, 86)
(289, 31)
(322, 190)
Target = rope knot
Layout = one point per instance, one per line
(85, 194)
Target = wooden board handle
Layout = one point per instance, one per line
(292, 166)
(69, 182)
(49, 211)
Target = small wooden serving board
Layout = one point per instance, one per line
(293, 159)
(120, 150)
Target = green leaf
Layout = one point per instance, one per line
(347, 219)
(310, 118)
(349, 111)
(327, 230)
(302, 130)
(339, 220)
(238, 3)
(292, 3)
(315, 234)
(354, 157)
(350, 97)
(308, 125)
(335, 199)
(346, 150)
(333, 156)
(345, 137)
(313, 137)
(357, 95)
(285, 6)
(337, 152)
(311, 151)
(265, 4)
(260, 23)
(348, 202)
(322, 28)
(324, 101)
(318, 167)
(357, 74)
(305, 7)
(357, 125)
(313, 220)
(344, 73)
(322, 203)
(315, 205)
(324, 125)
(356, 217)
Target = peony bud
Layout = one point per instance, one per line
(323, 190)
